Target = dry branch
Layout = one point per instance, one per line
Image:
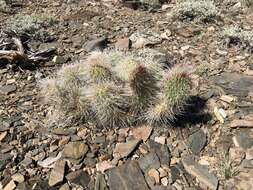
(19, 55)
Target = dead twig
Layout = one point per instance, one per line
(19, 55)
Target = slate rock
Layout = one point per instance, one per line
(62, 131)
(96, 44)
(79, 177)
(142, 132)
(161, 150)
(234, 83)
(57, 174)
(127, 177)
(26, 162)
(150, 160)
(200, 172)
(7, 89)
(243, 139)
(124, 149)
(4, 160)
(75, 151)
(197, 141)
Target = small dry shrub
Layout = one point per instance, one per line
(195, 10)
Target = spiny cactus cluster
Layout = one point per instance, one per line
(113, 89)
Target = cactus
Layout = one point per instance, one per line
(175, 90)
(98, 70)
(113, 89)
(110, 104)
(141, 81)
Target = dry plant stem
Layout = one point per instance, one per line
(19, 55)
(14, 55)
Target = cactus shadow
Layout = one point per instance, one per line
(194, 113)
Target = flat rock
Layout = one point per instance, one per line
(7, 89)
(161, 150)
(57, 174)
(243, 139)
(62, 131)
(75, 150)
(200, 172)
(96, 44)
(142, 132)
(124, 149)
(127, 177)
(149, 161)
(79, 177)
(123, 44)
(4, 159)
(26, 162)
(234, 83)
(197, 141)
(49, 162)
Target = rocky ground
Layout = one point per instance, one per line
(210, 147)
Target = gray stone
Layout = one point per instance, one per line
(62, 131)
(200, 172)
(161, 150)
(96, 44)
(65, 187)
(124, 149)
(150, 160)
(26, 162)
(197, 141)
(75, 151)
(247, 164)
(79, 177)
(100, 140)
(233, 83)
(7, 89)
(4, 160)
(243, 139)
(57, 174)
(100, 183)
(127, 177)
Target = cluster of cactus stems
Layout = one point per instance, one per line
(112, 89)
